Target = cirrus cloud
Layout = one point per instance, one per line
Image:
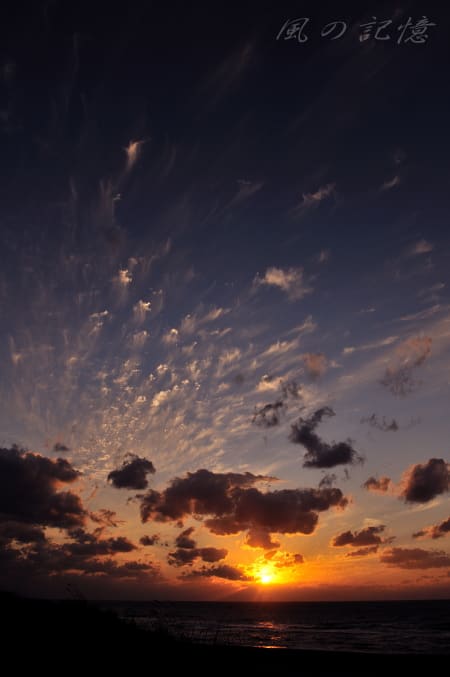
(289, 280)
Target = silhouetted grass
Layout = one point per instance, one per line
(76, 635)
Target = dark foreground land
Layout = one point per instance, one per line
(71, 635)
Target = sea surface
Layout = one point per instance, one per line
(421, 627)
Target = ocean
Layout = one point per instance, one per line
(419, 627)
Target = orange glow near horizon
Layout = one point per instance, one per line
(266, 578)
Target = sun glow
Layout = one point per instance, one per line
(265, 575)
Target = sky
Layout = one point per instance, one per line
(224, 300)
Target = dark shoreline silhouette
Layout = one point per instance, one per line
(88, 636)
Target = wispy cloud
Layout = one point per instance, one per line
(289, 280)
(419, 247)
(133, 150)
(423, 314)
(382, 343)
(391, 183)
(313, 200)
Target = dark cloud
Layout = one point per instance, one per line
(286, 559)
(321, 454)
(182, 557)
(222, 571)
(385, 425)
(211, 555)
(224, 526)
(199, 493)
(364, 537)
(89, 545)
(378, 485)
(423, 482)
(30, 500)
(269, 415)
(362, 552)
(132, 474)
(327, 480)
(85, 554)
(420, 534)
(415, 558)
(29, 490)
(231, 504)
(286, 510)
(105, 517)
(20, 532)
(56, 560)
(187, 551)
(441, 529)
(435, 531)
(411, 354)
(59, 447)
(261, 538)
(381, 423)
(184, 539)
(149, 540)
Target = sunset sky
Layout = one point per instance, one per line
(224, 298)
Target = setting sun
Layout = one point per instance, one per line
(265, 576)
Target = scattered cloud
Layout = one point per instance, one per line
(290, 389)
(367, 536)
(171, 337)
(231, 503)
(321, 454)
(363, 552)
(385, 425)
(59, 447)
(382, 343)
(229, 73)
(324, 256)
(422, 314)
(409, 355)
(289, 280)
(261, 538)
(245, 191)
(435, 531)
(313, 200)
(327, 480)
(226, 571)
(415, 558)
(391, 183)
(379, 485)
(423, 482)
(184, 539)
(149, 540)
(133, 151)
(381, 423)
(187, 551)
(181, 557)
(29, 492)
(30, 501)
(419, 247)
(269, 415)
(132, 474)
(316, 365)
(140, 310)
